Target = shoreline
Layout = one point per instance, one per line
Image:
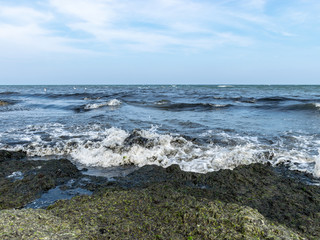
(267, 202)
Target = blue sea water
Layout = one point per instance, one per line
(201, 128)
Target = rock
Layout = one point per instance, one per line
(136, 138)
(160, 211)
(249, 202)
(35, 178)
(11, 155)
(3, 103)
(281, 199)
(35, 224)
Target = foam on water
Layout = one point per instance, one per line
(112, 103)
(98, 147)
(16, 175)
(316, 172)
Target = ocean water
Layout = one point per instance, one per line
(201, 128)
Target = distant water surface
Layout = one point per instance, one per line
(201, 128)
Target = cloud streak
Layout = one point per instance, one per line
(147, 26)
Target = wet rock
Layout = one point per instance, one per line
(161, 211)
(136, 138)
(249, 202)
(279, 198)
(11, 155)
(35, 224)
(3, 103)
(34, 178)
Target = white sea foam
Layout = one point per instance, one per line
(16, 175)
(111, 103)
(316, 171)
(99, 147)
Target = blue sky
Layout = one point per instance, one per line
(160, 42)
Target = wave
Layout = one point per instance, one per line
(110, 103)
(162, 102)
(97, 147)
(283, 99)
(304, 107)
(275, 99)
(8, 93)
(189, 106)
(232, 99)
(225, 86)
(78, 96)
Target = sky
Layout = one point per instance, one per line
(159, 42)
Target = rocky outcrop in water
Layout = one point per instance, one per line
(3, 103)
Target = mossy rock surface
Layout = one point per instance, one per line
(36, 177)
(277, 193)
(161, 203)
(35, 224)
(161, 212)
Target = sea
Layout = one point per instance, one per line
(202, 128)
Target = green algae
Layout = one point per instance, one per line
(160, 212)
(158, 203)
(35, 224)
(38, 177)
(274, 192)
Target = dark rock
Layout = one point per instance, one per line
(11, 155)
(136, 138)
(22, 181)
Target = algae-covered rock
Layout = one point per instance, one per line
(159, 203)
(22, 181)
(11, 155)
(277, 193)
(161, 212)
(34, 224)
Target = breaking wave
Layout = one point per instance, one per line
(111, 103)
(98, 147)
(304, 107)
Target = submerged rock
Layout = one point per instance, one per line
(4, 103)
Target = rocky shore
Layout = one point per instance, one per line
(250, 202)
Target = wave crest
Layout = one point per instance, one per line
(116, 147)
(110, 103)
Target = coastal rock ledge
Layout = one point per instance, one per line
(250, 202)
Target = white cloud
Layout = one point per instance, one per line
(23, 15)
(154, 25)
(97, 12)
(24, 30)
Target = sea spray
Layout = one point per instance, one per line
(316, 171)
